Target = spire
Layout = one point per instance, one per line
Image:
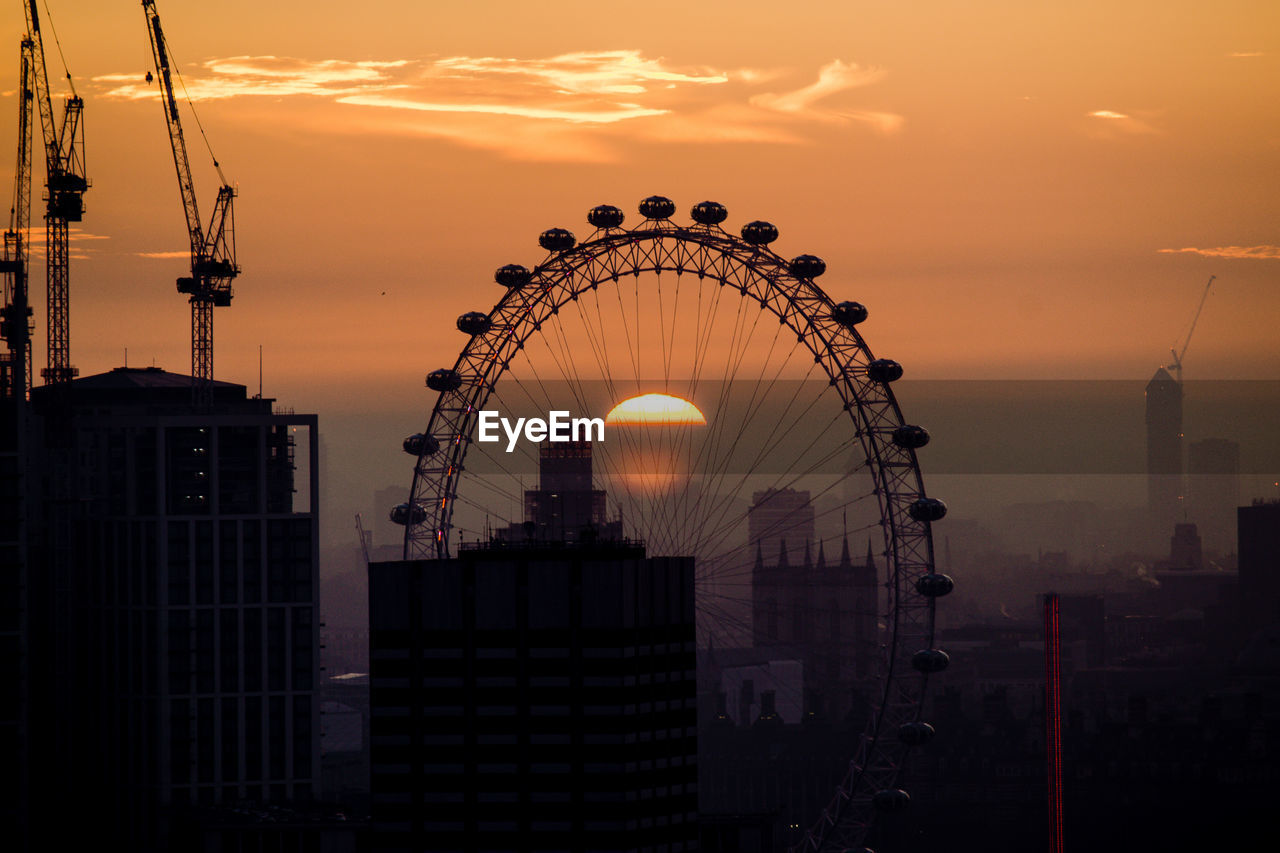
(759, 558)
(822, 557)
(808, 562)
(782, 554)
(871, 557)
(845, 561)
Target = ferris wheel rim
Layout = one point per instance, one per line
(908, 543)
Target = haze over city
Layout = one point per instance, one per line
(1039, 208)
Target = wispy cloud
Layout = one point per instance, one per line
(1246, 54)
(182, 254)
(833, 78)
(475, 100)
(79, 242)
(1114, 120)
(1267, 253)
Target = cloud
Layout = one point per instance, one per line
(261, 76)
(833, 78)
(77, 238)
(1268, 253)
(1123, 122)
(1246, 54)
(182, 254)
(583, 105)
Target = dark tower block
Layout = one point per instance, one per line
(534, 697)
(173, 644)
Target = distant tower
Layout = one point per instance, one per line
(823, 612)
(1164, 447)
(1184, 548)
(777, 515)
(564, 507)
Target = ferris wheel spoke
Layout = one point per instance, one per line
(683, 488)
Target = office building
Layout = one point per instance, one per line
(173, 630)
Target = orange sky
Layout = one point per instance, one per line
(1007, 186)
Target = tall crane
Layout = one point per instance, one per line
(1177, 355)
(213, 250)
(15, 317)
(65, 185)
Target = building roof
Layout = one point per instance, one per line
(151, 387)
(125, 378)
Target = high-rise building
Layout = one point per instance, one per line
(538, 692)
(173, 630)
(564, 507)
(1164, 448)
(534, 697)
(1259, 566)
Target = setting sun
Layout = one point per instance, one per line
(655, 409)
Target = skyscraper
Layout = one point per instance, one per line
(1259, 544)
(537, 694)
(174, 623)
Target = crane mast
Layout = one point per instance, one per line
(65, 185)
(213, 249)
(1177, 356)
(15, 320)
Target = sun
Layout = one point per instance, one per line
(655, 409)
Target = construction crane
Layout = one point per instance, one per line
(65, 185)
(213, 250)
(365, 538)
(15, 319)
(1177, 355)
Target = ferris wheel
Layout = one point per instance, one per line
(667, 328)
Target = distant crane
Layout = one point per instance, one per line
(1177, 355)
(65, 185)
(15, 318)
(213, 250)
(365, 538)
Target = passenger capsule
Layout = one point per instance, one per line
(910, 437)
(891, 799)
(420, 445)
(557, 240)
(657, 207)
(443, 380)
(759, 233)
(930, 660)
(935, 586)
(605, 216)
(474, 323)
(849, 314)
(927, 509)
(709, 213)
(408, 514)
(512, 275)
(915, 733)
(807, 266)
(884, 370)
